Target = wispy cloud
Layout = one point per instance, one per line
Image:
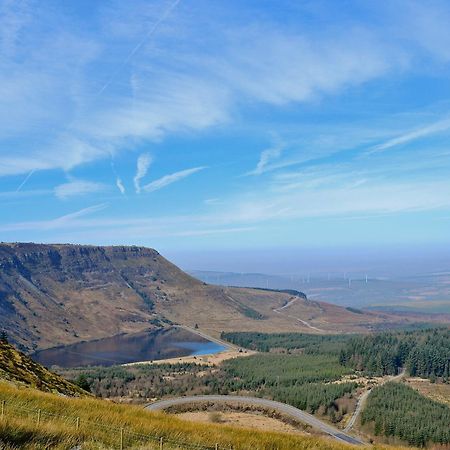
(120, 185)
(338, 200)
(171, 178)
(63, 221)
(143, 164)
(267, 156)
(78, 187)
(77, 214)
(419, 133)
(180, 90)
(119, 182)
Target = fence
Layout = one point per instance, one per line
(120, 437)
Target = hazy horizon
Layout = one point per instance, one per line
(387, 261)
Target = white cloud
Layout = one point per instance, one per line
(65, 221)
(120, 185)
(77, 214)
(143, 164)
(180, 90)
(77, 187)
(267, 156)
(361, 197)
(171, 178)
(175, 85)
(437, 127)
(294, 67)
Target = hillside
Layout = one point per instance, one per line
(90, 423)
(17, 368)
(61, 294)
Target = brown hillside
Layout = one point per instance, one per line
(61, 294)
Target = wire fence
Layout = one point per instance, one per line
(117, 437)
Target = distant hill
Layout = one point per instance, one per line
(60, 294)
(19, 369)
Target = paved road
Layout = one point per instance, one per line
(358, 410)
(288, 410)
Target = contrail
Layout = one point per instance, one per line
(140, 44)
(24, 181)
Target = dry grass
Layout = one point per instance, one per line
(19, 368)
(202, 360)
(253, 420)
(436, 391)
(100, 423)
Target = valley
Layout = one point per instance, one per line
(133, 329)
(311, 372)
(224, 225)
(53, 295)
(421, 294)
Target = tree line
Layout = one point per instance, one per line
(424, 353)
(312, 344)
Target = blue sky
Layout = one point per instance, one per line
(211, 125)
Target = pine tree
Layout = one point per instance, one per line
(3, 337)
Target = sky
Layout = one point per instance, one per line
(226, 127)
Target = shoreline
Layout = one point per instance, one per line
(210, 359)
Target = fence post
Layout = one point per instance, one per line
(39, 417)
(3, 409)
(121, 439)
(77, 423)
(161, 444)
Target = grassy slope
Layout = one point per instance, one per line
(19, 369)
(20, 428)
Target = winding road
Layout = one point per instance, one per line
(358, 410)
(304, 322)
(283, 408)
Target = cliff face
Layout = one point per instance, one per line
(54, 294)
(61, 294)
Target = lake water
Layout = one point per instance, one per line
(128, 348)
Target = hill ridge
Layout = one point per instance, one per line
(57, 294)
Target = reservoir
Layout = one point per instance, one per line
(127, 348)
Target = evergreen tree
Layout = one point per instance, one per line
(3, 337)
